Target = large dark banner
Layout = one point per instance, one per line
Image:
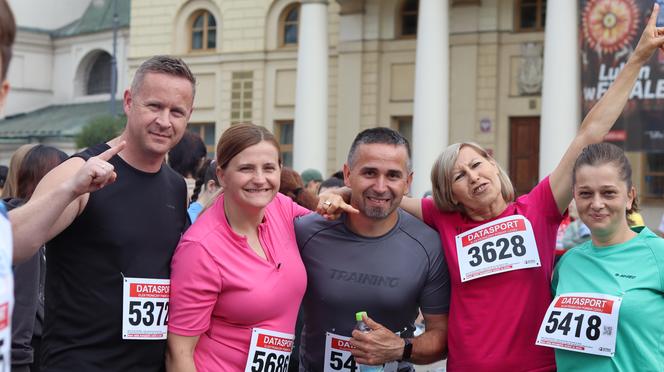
(610, 29)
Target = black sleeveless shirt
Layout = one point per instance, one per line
(127, 229)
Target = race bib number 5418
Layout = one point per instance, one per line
(145, 308)
(582, 322)
(498, 246)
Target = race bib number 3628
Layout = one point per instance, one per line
(581, 322)
(145, 308)
(496, 247)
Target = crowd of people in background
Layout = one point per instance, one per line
(143, 254)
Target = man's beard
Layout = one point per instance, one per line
(378, 213)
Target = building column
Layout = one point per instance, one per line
(349, 76)
(310, 132)
(561, 104)
(431, 102)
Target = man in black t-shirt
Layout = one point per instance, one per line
(113, 215)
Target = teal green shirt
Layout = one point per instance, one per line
(634, 271)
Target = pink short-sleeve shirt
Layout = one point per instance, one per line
(493, 321)
(221, 289)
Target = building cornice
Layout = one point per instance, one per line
(351, 6)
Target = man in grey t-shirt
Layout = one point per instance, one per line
(380, 260)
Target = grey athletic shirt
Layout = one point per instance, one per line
(389, 277)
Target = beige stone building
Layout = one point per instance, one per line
(478, 77)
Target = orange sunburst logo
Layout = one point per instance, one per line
(610, 25)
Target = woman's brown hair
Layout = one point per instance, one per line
(36, 164)
(240, 136)
(598, 154)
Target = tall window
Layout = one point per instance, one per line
(530, 15)
(408, 18)
(206, 131)
(404, 125)
(289, 25)
(283, 129)
(203, 31)
(653, 176)
(242, 95)
(99, 78)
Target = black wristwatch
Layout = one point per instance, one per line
(407, 349)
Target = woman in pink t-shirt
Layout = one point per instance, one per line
(500, 250)
(237, 278)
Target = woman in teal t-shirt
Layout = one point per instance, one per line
(609, 291)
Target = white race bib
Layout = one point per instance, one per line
(583, 322)
(496, 247)
(5, 335)
(6, 293)
(338, 356)
(269, 351)
(145, 308)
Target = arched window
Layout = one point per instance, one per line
(408, 18)
(289, 24)
(203, 31)
(99, 77)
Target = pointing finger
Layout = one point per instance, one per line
(108, 154)
(349, 208)
(653, 16)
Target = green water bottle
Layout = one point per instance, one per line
(361, 326)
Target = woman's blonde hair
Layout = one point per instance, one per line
(11, 185)
(441, 177)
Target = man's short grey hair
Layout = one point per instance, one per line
(164, 65)
(379, 135)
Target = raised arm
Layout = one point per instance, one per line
(412, 206)
(58, 199)
(606, 111)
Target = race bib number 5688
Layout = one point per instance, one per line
(496, 247)
(145, 308)
(269, 351)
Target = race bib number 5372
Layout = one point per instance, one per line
(145, 308)
(582, 322)
(496, 247)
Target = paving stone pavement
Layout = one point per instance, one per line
(435, 367)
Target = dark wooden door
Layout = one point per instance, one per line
(524, 152)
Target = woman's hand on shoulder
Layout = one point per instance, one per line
(332, 203)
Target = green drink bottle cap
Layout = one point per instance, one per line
(359, 314)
